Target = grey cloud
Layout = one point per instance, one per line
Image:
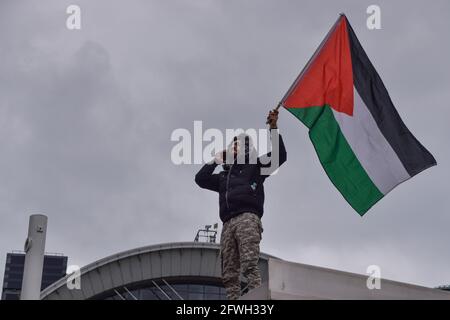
(86, 118)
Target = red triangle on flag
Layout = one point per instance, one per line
(328, 77)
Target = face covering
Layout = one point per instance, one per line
(246, 151)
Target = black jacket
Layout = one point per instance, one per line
(240, 186)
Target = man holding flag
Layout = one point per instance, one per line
(360, 139)
(241, 199)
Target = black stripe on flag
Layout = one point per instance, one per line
(411, 152)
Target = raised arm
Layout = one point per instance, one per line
(265, 161)
(206, 179)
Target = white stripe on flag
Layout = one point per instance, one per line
(370, 146)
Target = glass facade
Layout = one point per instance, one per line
(54, 269)
(188, 291)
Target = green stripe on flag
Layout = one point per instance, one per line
(337, 158)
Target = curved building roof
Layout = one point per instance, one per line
(169, 263)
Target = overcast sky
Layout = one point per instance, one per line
(86, 118)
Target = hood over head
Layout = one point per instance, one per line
(246, 151)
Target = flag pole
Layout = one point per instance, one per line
(306, 67)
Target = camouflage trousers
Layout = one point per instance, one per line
(239, 249)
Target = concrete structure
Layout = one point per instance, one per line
(191, 270)
(288, 280)
(34, 257)
(185, 270)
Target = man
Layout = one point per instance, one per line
(241, 199)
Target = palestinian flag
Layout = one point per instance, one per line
(362, 143)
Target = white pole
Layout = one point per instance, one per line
(34, 257)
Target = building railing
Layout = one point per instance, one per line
(57, 254)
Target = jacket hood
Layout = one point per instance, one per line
(247, 152)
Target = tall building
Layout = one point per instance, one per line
(55, 266)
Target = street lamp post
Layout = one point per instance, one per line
(34, 257)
